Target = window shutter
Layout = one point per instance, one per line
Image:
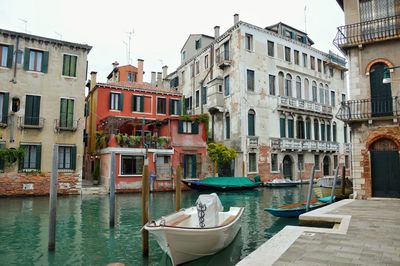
(171, 108)
(21, 161)
(4, 119)
(28, 110)
(66, 63)
(251, 124)
(133, 103)
(36, 110)
(73, 158)
(141, 103)
(283, 127)
(45, 61)
(198, 165)
(63, 113)
(193, 166)
(110, 101)
(26, 58)
(195, 128)
(1, 160)
(70, 113)
(180, 126)
(179, 111)
(73, 66)
(121, 101)
(38, 156)
(10, 56)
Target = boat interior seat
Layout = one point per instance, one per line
(178, 220)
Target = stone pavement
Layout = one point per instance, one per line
(367, 232)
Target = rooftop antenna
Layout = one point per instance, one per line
(305, 18)
(130, 33)
(59, 35)
(26, 24)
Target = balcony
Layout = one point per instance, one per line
(104, 140)
(304, 105)
(66, 125)
(223, 59)
(29, 122)
(368, 32)
(284, 144)
(252, 141)
(369, 109)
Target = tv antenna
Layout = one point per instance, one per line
(26, 24)
(59, 35)
(128, 52)
(305, 18)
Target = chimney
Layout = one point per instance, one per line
(159, 76)
(93, 79)
(115, 64)
(216, 32)
(164, 72)
(235, 19)
(153, 78)
(139, 78)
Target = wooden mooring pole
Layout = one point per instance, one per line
(112, 190)
(310, 187)
(343, 181)
(53, 200)
(333, 192)
(145, 207)
(178, 188)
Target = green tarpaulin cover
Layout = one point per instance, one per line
(229, 182)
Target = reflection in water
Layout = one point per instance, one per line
(84, 237)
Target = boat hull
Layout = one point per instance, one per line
(197, 185)
(278, 185)
(287, 212)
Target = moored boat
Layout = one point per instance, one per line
(324, 185)
(222, 183)
(197, 231)
(281, 182)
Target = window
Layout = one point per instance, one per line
(197, 44)
(312, 59)
(131, 76)
(346, 161)
(227, 126)
(197, 67)
(335, 161)
(341, 74)
(343, 97)
(270, 48)
(331, 72)
(174, 82)
(323, 130)
(161, 106)
(206, 61)
(188, 103)
(188, 127)
(226, 86)
(251, 116)
(36, 60)
(131, 165)
(288, 34)
(192, 70)
(328, 131)
(287, 54)
(6, 55)
(137, 103)
(183, 55)
(298, 87)
(371, 10)
(116, 101)
(226, 50)
(174, 107)
(334, 131)
(203, 95)
(32, 110)
(345, 134)
(290, 127)
(333, 99)
(190, 165)
(300, 160)
(197, 98)
(314, 92)
(252, 162)
(67, 157)
(282, 124)
(248, 42)
(272, 87)
(288, 85)
(308, 128)
(321, 93)
(326, 94)
(4, 102)
(316, 130)
(300, 134)
(305, 60)
(32, 158)
(296, 57)
(69, 65)
(250, 80)
(307, 93)
(319, 62)
(316, 161)
(67, 113)
(274, 162)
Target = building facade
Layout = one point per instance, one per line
(370, 40)
(42, 101)
(272, 97)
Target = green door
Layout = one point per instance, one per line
(189, 166)
(287, 167)
(381, 94)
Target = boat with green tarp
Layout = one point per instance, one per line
(223, 183)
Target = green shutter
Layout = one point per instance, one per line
(26, 58)
(45, 61)
(73, 66)
(70, 113)
(195, 128)
(4, 119)
(1, 160)
(251, 125)
(63, 113)
(141, 103)
(73, 158)
(185, 165)
(38, 156)
(171, 108)
(121, 101)
(180, 127)
(21, 162)
(290, 128)
(28, 110)
(35, 110)
(66, 63)
(193, 157)
(179, 111)
(183, 105)
(283, 127)
(133, 103)
(10, 56)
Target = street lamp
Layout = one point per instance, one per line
(386, 74)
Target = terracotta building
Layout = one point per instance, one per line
(134, 121)
(371, 40)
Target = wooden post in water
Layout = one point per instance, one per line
(53, 200)
(310, 187)
(145, 207)
(343, 181)
(333, 192)
(178, 188)
(243, 168)
(112, 190)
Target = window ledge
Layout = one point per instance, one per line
(66, 170)
(69, 77)
(130, 175)
(35, 72)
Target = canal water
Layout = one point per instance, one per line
(84, 237)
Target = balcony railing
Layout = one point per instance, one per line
(284, 144)
(252, 141)
(223, 59)
(130, 141)
(369, 109)
(33, 122)
(304, 105)
(368, 31)
(63, 125)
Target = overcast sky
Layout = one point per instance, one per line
(160, 27)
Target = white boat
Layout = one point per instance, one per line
(324, 187)
(198, 231)
(281, 182)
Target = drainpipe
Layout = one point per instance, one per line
(14, 79)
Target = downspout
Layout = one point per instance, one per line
(14, 79)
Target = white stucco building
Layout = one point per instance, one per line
(271, 96)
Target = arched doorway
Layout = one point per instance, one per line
(385, 169)
(326, 165)
(381, 94)
(287, 167)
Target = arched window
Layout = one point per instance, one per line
(323, 137)
(298, 87)
(307, 93)
(281, 83)
(308, 128)
(334, 131)
(251, 117)
(328, 131)
(227, 126)
(326, 94)
(321, 93)
(282, 125)
(288, 85)
(314, 92)
(345, 134)
(300, 128)
(316, 129)
(290, 127)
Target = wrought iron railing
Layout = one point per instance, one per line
(66, 125)
(369, 109)
(304, 105)
(303, 145)
(368, 31)
(33, 122)
(223, 58)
